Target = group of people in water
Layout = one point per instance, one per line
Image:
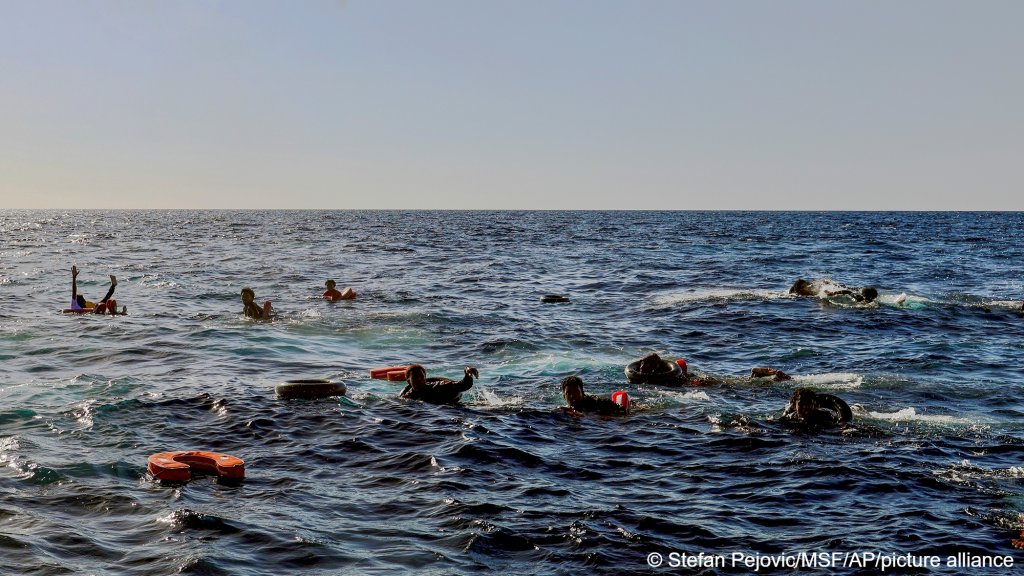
(252, 310)
(807, 408)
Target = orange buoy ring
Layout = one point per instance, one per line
(177, 466)
(392, 373)
(79, 310)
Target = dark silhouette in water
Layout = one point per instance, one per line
(814, 288)
(436, 390)
(582, 402)
(809, 409)
(775, 373)
(653, 369)
(577, 399)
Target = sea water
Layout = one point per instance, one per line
(373, 484)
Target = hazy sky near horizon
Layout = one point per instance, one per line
(528, 104)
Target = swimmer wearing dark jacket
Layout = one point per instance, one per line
(436, 390)
(808, 409)
(572, 391)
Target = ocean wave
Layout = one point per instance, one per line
(830, 380)
(669, 299)
(910, 415)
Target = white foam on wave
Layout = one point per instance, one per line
(1014, 304)
(830, 380)
(483, 396)
(910, 415)
(699, 294)
(688, 396)
(902, 300)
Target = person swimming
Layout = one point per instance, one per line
(809, 409)
(436, 390)
(817, 288)
(578, 400)
(252, 310)
(332, 294)
(105, 306)
(653, 369)
(774, 373)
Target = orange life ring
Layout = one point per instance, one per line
(392, 373)
(177, 466)
(79, 311)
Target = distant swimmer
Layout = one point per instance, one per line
(251, 309)
(105, 306)
(436, 390)
(332, 294)
(774, 373)
(810, 409)
(572, 391)
(653, 369)
(820, 289)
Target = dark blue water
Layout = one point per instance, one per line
(507, 483)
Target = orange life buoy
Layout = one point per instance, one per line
(392, 373)
(177, 466)
(79, 311)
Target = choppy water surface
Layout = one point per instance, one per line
(372, 483)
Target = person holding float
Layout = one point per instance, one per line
(436, 390)
(252, 310)
(580, 401)
(332, 294)
(810, 410)
(82, 306)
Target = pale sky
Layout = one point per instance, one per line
(545, 104)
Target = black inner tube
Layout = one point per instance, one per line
(671, 373)
(309, 389)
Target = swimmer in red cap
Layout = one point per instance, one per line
(572, 391)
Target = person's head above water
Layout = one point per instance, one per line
(416, 376)
(869, 293)
(330, 284)
(802, 288)
(651, 364)
(248, 295)
(572, 389)
(803, 402)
